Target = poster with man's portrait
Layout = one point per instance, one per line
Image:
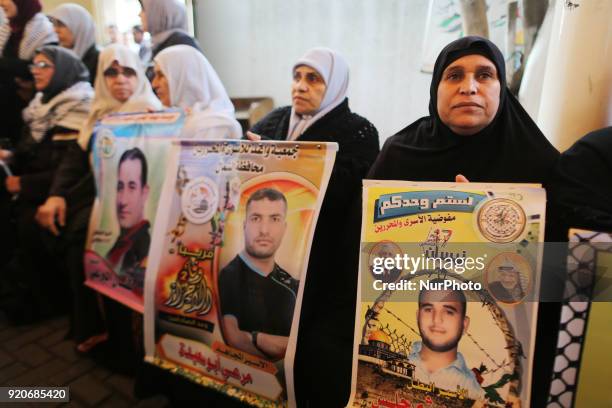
(447, 299)
(228, 262)
(130, 153)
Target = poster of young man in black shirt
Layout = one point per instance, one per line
(257, 295)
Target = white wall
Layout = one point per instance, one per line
(253, 44)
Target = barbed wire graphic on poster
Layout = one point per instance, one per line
(445, 314)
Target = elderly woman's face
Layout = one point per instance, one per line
(307, 90)
(161, 86)
(120, 81)
(42, 71)
(468, 94)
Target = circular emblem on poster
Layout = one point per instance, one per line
(105, 140)
(501, 220)
(200, 200)
(508, 277)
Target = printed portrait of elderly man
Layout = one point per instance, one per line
(132, 245)
(257, 295)
(508, 287)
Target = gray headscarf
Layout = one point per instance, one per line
(68, 70)
(80, 24)
(164, 17)
(335, 72)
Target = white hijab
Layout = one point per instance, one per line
(164, 17)
(80, 24)
(195, 85)
(142, 99)
(334, 70)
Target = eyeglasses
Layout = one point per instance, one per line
(114, 72)
(40, 65)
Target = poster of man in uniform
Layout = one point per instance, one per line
(436, 335)
(129, 161)
(228, 262)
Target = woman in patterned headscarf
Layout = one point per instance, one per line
(53, 120)
(120, 86)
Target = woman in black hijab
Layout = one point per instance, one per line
(463, 134)
(52, 123)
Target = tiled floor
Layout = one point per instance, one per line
(38, 355)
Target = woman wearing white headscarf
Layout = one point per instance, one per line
(184, 78)
(76, 30)
(166, 21)
(120, 86)
(320, 112)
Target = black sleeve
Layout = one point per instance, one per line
(35, 186)
(72, 170)
(228, 291)
(378, 169)
(37, 162)
(353, 160)
(15, 67)
(270, 127)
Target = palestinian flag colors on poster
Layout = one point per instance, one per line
(228, 263)
(130, 155)
(447, 306)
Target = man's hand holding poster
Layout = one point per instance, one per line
(228, 261)
(446, 310)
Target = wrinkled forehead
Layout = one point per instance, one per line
(304, 68)
(471, 61)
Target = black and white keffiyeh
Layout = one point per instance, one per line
(68, 109)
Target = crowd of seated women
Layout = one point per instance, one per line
(56, 84)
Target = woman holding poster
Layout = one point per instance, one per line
(120, 86)
(475, 128)
(320, 112)
(184, 78)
